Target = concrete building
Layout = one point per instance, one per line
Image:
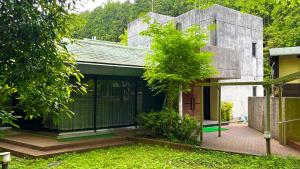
(238, 46)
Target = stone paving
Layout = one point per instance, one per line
(242, 139)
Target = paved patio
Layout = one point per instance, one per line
(242, 139)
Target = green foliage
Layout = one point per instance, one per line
(267, 66)
(165, 7)
(6, 111)
(226, 111)
(75, 25)
(34, 64)
(167, 124)
(124, 38)
(187, 130)
(284, 30)
(149, 156)
(163, 123)
(176, 60)
(108, 22)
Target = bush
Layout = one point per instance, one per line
(226, 111)
(187, 130)
(166, 124)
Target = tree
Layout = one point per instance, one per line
(176, 60)
(108, 22)
(35, 67)
(75, 25)
(284, 30)
(124, 38)
(165, 7)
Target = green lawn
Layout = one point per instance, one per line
(145, 156)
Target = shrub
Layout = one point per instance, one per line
(163, 123)
(226, 111)
(166, 124)
(187, 129)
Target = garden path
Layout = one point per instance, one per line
(242, 139)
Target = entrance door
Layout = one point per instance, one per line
(188, 100)
(191, 102)
(206, 96)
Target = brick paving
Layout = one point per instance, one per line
(242, 139)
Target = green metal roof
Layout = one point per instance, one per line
(107, 53)
(285, 51)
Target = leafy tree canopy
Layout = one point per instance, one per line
(35, 67)
(108, 22)
(176, 60)
(76, 24)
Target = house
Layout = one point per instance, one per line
(116, 92)
(113, 72)
(286, 61)
(237, 43)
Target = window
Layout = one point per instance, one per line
(254, 90)
(179, 26)
(214, 32)
(254, 49)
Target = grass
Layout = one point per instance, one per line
(107, 135)
(213, 129)
(146, 156)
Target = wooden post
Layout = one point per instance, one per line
(219, 109)
(280, 117)
(267, 113)
(201, 114)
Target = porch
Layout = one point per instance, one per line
(24, 143)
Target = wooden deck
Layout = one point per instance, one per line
(28, 144)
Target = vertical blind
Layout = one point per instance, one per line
(110, 102)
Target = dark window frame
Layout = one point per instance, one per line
(179, 26)
(254, 91)
(254, 51)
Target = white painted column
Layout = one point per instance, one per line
(180, 108)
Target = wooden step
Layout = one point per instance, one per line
(22, 151)
(294, 144)
(61, 145)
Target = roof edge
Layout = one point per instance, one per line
(108, 43)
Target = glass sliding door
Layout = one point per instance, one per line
(115, 102)
(111, 101)
(83, 108)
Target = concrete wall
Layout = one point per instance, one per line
(256, 108)
(226, 61)
(291, 111)
(138, 25)
(232, 41)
